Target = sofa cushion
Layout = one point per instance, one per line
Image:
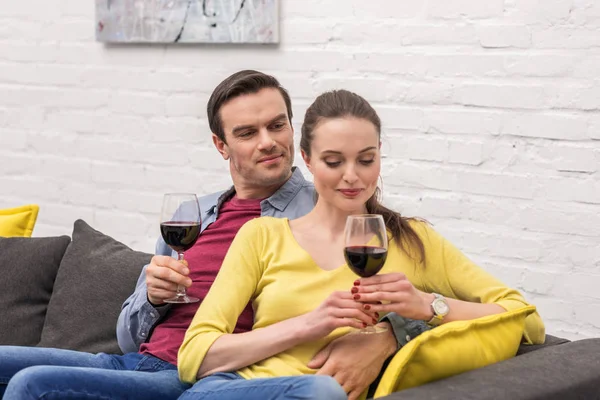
(96, 274)
(28, 267)
(19, 221)
(454, 348)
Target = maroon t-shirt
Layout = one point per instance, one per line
(204, 260)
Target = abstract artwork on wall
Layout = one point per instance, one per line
(187, 21)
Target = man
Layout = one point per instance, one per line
(256, 137)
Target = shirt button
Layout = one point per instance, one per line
(143, 334)
(408, 338)
(152, 315)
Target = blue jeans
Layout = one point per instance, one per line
(42, 373)
(231, 386)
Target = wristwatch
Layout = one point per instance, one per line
(440, 308)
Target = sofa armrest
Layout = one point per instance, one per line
(549, 341)
(571, 370)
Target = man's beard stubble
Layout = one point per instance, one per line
(251, 176)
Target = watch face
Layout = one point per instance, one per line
(440, 307)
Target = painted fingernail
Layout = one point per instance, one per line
(367, 307)
(356, 297)
(364, 324)
(375, 321)
(354, 290)
(357, 282)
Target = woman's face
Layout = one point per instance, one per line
(345, 161)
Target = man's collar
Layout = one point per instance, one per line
(282, 197)
(225, 196)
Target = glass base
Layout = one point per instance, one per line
(184, 299)
(372, 329)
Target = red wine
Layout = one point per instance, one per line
(180, 235)
(365, 261)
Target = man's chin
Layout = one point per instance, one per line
(273, 178)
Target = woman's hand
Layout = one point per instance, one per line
(355, 360)
(338, 310)
(397, 295)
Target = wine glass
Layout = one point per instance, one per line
(366, 249)
(180, 228)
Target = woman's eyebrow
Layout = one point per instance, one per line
(339, 152)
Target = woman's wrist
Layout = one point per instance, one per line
(427, 312)
(304, 328)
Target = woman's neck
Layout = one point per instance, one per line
(330, 218)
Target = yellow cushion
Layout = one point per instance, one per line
(454, 348)
(18, 221)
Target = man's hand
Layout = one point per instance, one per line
(162, 277)
(355, 360)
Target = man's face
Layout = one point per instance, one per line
(260, 140)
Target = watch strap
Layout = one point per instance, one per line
(437, 318)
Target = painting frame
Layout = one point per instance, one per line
(187, 21)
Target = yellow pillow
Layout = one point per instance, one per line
(454, 348)
(18, 221)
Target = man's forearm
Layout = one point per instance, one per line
(404, 329)
(137, 318)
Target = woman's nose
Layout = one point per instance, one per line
(350, 175)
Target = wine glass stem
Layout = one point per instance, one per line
(180, 288)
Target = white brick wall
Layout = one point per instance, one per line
(491, 112)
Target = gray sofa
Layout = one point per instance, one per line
(69, 290)
(558, 369)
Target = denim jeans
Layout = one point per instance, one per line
(231, 386)
(42, 373)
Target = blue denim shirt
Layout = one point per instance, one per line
(293, 200)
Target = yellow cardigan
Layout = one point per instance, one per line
(267, 266)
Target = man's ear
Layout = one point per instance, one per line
(221, 147)
(306, 159)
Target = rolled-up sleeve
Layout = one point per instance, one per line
(138, 316)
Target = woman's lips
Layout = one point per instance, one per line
(350, 192)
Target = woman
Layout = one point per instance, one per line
(303, 293)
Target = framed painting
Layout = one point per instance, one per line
(187, 21)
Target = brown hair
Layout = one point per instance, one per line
(343, 103)
(238, 84)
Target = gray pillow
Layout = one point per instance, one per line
(96, 275)
(28, 267)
